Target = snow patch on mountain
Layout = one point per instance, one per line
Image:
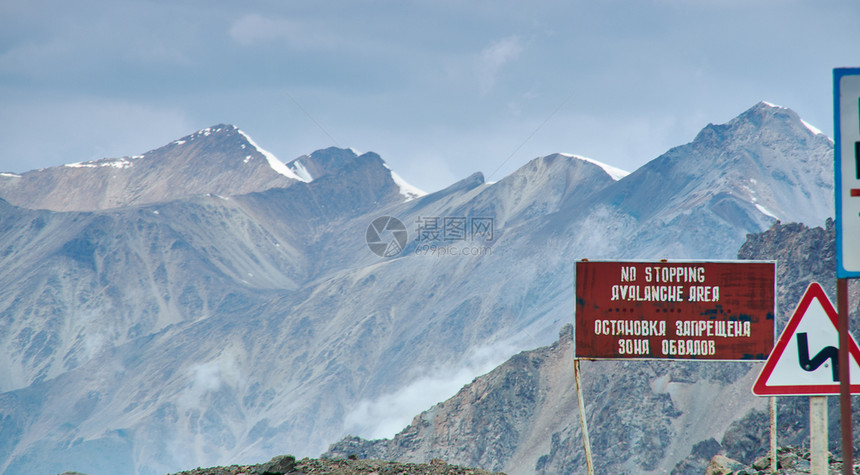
(615, 172)
(276, 164)
(124, 162)
(210, 130)
(406, 189)
(766, 211)
(815, 130)
(299, 169)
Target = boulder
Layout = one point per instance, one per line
(279, 465)
(722, 465)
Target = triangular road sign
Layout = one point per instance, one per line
(804, 361)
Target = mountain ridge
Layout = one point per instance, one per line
(220, 159)
(723, 176)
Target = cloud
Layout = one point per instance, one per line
(203, 378)
(388, 414)
(492, 58)
(254, 29)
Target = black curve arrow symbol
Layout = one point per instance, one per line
(827, 353)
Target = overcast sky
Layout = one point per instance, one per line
(440, 89)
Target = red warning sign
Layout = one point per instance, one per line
(703, 310)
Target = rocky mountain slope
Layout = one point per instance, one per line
(213, 326)
(644, 417)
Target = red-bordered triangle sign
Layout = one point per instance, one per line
(804, 361)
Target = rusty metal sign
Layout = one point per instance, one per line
(698, 310)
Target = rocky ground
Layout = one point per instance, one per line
(287, 464)
(790, 461)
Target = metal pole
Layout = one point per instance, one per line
(818, 435)
(773, 460)
(585, 439)
(844, 378)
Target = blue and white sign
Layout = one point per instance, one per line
(846, 108)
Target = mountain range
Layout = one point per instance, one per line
(205, 303)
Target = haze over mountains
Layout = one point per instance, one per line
(206, 304)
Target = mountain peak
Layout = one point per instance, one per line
(767, 105)
(780, 113)
(614, 172)
(215, 134)
(333, 160)
(215, 129)
(763, 165)
(765, 122)
(327, 161)
(223, 134)
(763, 105)
(766, 108)
(220, 159)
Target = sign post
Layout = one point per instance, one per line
(818, 435)
(846, 121)
(586, 440)
(844, 378)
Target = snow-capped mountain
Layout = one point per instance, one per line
(207, 326)
(732, 179)
(220, 160)
(332, 160)
(747, 163)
